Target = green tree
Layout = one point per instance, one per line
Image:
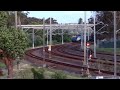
(107, 18)
(38, 40)
(3, 18)
(91, 20)
(80, 21)
(13, 44)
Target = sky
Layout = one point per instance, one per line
(61, 16)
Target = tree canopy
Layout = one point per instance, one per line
(80, 21)
(107, 17)
(3, 18)
(12, 42)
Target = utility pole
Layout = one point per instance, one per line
(115, 67)
(94, 38)
(47, 36)
(50, 36)
(33, 38)
(15, 19)
(44, 65)
(50, 39)
(84, 38)
(62, 36)
(88, 34)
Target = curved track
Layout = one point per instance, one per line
(65, 57)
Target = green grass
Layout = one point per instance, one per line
(109, 50)
(27, 74)
(49, 72)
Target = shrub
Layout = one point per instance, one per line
(24, 74)
(38, 74)
(58, 75)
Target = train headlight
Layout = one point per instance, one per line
(78, 38)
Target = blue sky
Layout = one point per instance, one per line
(61, 16)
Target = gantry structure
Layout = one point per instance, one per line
(72, 28)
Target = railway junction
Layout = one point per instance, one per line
(73, 57)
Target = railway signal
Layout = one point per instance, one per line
(89, 50)
(89, 56)
(94, 37)
(88, 45)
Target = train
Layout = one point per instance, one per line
(78, 38)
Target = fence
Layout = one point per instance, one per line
(108, 44)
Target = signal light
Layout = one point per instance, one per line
(88, 44)
(90, 56)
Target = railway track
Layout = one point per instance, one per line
(105, 64)
(61, 62)
(65, 52)
(77, 52)
(104, 54)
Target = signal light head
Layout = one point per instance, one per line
(88, 44)
(90, 56)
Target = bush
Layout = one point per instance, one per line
(58, 75)
(38, 74)
(24, 74)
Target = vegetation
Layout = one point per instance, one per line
(80, 21)
(109, 50)
(107, 18)
(38, 74)
(12, 42)
(3, 18)
(58, 38)
(58, 75)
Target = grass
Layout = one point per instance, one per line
(49, 72)
(109, 50)
(27, 74)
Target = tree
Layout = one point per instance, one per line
(80, 21)
(107, 18)
(53, 21)
(13, 43)
(3, 18)
(91, 20)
